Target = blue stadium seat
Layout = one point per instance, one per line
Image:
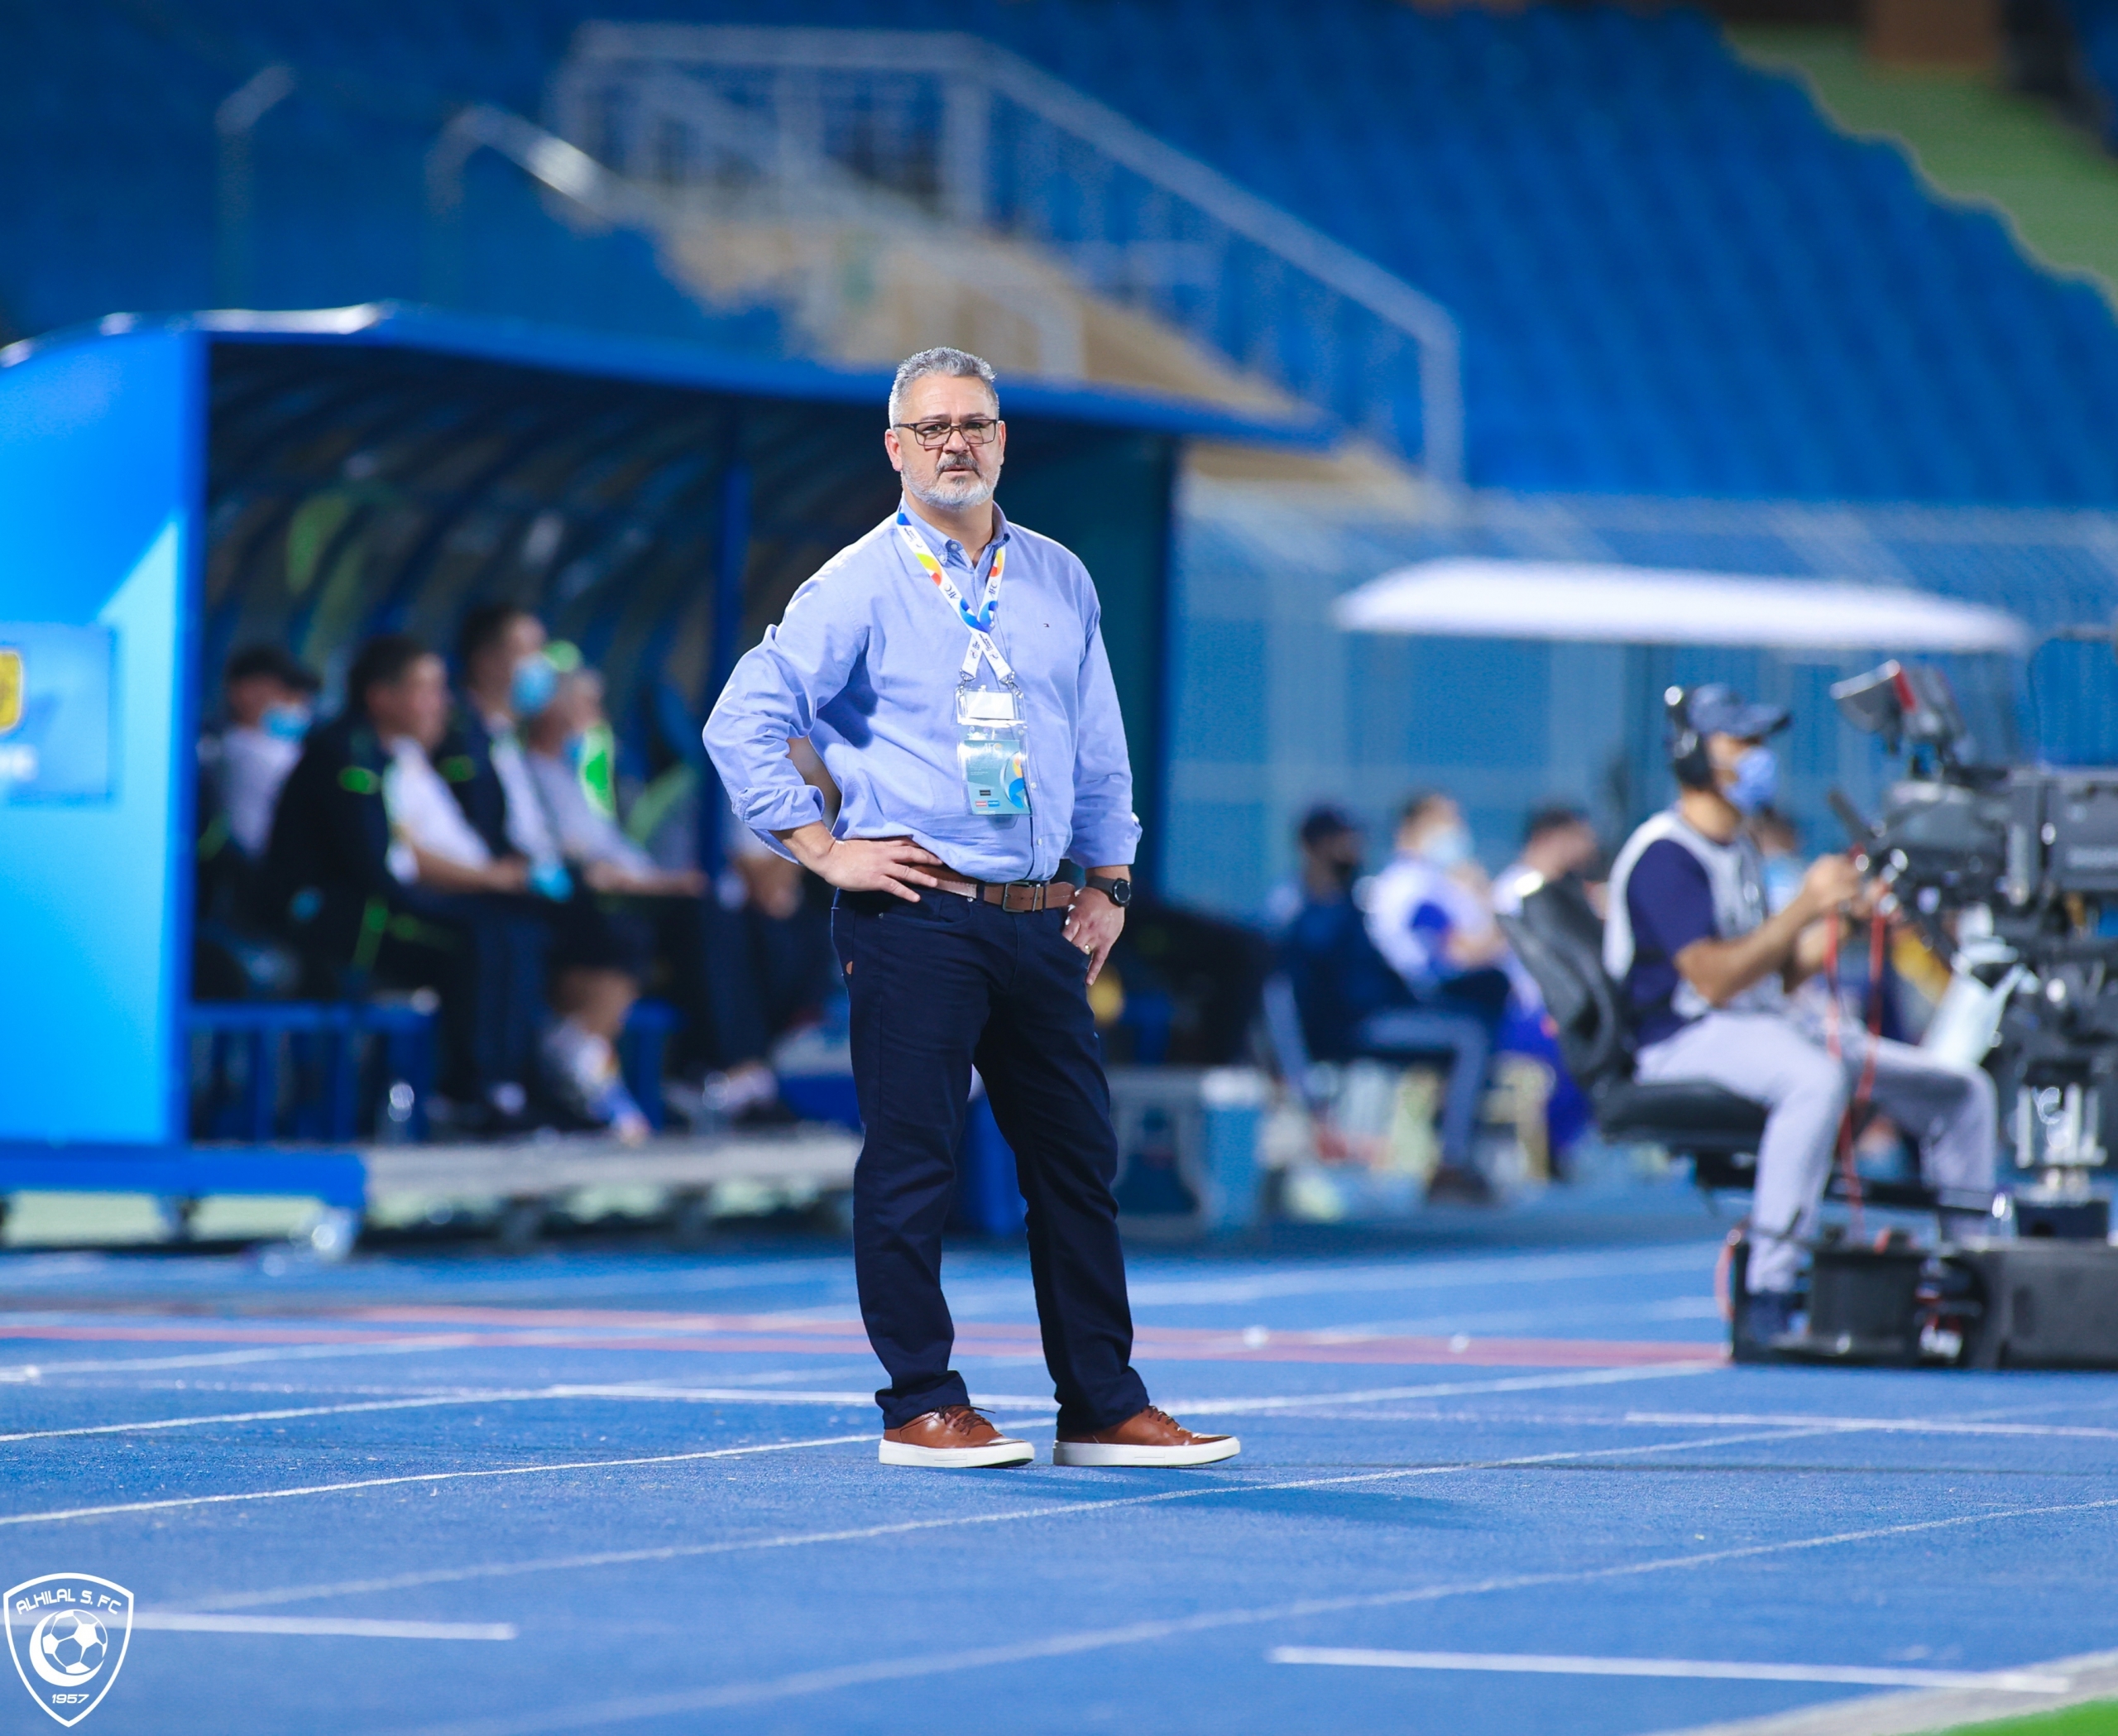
(2095, 31)
(1672, 274)
(293, 1069)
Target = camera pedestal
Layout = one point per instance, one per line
(2034, 1302)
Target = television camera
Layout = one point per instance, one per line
(2012, 872)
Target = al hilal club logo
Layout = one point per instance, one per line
(67, 1633)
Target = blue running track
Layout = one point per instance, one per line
(625, 1489)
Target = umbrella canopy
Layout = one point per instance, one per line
(1572, 600)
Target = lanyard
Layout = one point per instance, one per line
(979, 621)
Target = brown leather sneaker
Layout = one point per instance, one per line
(1153, 1438)
(953, 1438)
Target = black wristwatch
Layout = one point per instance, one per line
(1118, 889)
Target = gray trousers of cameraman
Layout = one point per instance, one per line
(1769, 1058)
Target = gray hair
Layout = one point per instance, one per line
(955, 364)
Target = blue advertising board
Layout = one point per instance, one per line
(99, 505)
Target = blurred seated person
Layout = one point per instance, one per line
(587, 835)
(1559, 843)
(1338, 977)
(605, 959)
(266, 701)
(265, 698)
(599, 955)
(762, 963)
(1329, 850)
(770, 967)
(1430, 914)
(508, 677)
(378, 876)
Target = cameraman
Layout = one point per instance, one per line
(1706, 972)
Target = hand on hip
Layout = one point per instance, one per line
(895, 866)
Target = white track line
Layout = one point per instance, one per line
(59, 1514)
(750, 1395)
(1005, 1516)
(425, 1402)
(225, 1359)
(1517, 1320)
(321, 1626)
(1066, 1645)
(348, 1391)
(1874, 1425)
(1450, 1389)
(1676, 1669)
(1488, 1271)
(1431, 1275)
(695, 1395)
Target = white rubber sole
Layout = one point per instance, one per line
(957, 1458)
(1095, 1452)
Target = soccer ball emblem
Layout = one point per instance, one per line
(74, 1644)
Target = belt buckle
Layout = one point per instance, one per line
(1035, 889)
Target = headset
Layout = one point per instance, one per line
(1688, 756)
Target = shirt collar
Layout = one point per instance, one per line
(949, 545)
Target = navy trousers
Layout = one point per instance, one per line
(937, 987)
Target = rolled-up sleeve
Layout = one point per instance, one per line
(774, 695)
(1106, 831)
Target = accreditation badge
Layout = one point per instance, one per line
(991, 750)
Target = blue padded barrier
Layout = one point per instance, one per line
(293, 1069)
(185, 1172)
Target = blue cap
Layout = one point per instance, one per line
(1718, 709)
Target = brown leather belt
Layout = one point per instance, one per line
(1018, 897)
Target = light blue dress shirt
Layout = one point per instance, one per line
(864, 662)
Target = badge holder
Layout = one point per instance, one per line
(992, 749)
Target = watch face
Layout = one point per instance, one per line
(1118, 892)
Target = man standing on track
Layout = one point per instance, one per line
(972, 746)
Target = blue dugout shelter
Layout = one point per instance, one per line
(170, 488)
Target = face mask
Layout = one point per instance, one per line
(285, 722)
(1757, 780)
(534, 682)
(1449, 847)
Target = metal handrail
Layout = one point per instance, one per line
(563, 167)
(973, 71)
(619, 199)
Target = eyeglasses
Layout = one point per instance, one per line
(976, 430)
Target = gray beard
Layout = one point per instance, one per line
(955, 500)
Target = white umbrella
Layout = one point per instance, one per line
(1574, 600)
